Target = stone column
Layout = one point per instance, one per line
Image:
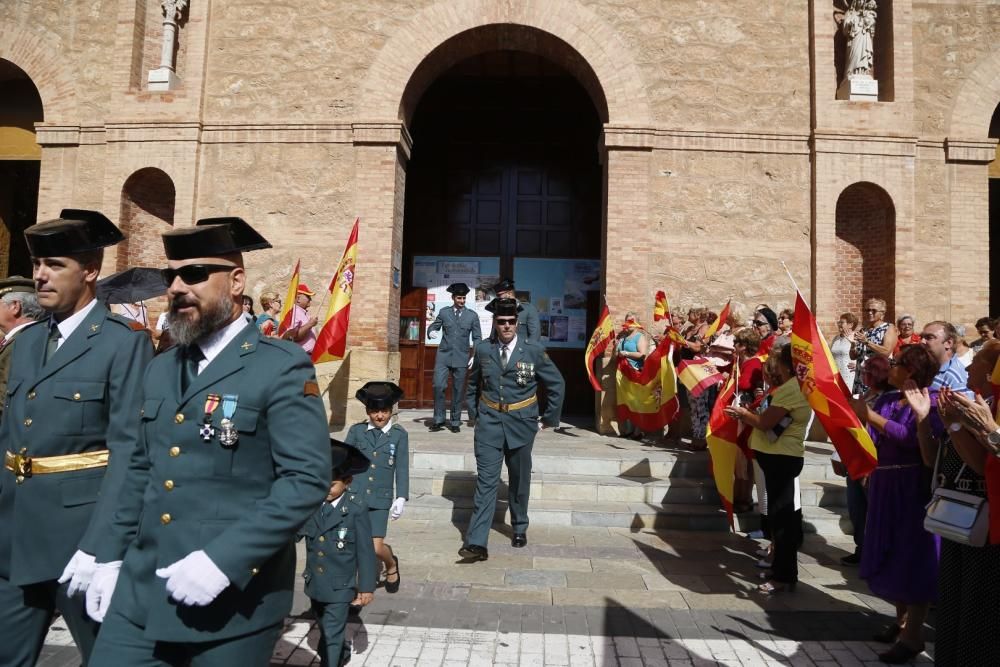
(381, 150)
(165, 76)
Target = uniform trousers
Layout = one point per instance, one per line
(26, 613)
(441, 375)
(122, 642)
(332, 620)
(488, 461)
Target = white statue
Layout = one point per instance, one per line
(165, 77)
(859, 28)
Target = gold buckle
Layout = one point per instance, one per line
(503, 407)
(22, 465)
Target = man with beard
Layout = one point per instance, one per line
(505, 373)
(68, 432)
(233, 457)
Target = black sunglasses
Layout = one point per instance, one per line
(192, 274)
(506, 320)
(761, 323)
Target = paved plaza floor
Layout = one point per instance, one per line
(658, 580)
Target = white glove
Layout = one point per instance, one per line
(397, 508)
(471, 359)
(102, 587)
(194, 580)
(78, 572)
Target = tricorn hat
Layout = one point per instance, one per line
(379, 395)
(17, 284)
(347, 459)
(211, 237)
(458, 289)
(503, 307)
(73, 232)
(505, 285)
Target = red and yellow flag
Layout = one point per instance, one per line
(823, 387)
(698, 374)
(648, 397)
(331, 344)
(722, 435)
(719, 321)
(285, 316)
(661, 309)
(603, 334)
(992, 472)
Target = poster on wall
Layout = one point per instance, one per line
(558, 288)
(436, 272)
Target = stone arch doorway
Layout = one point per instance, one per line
(865, 265)
(20, 160)
(147, 210)
(505, 171)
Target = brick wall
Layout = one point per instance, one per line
(147, 210)
(865, 265)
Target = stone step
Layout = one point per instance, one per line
(676, 516)
(593, 488)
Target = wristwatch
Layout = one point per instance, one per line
(993, 440)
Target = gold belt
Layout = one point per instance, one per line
(24, 466)
(507, 407)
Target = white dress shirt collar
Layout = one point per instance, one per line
(70, 324)
(212, 344)
(384, 429)
(12, 332)
(510, 346)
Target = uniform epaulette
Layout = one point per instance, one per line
(131, 325)
(286, 346)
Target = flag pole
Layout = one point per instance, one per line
(789, 274)
(319, 311)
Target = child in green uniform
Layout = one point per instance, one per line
(386, 484)
(340, 559)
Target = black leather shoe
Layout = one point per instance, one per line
(454, 428)
(393, 586)
(473, 553)
(888, 635)
(434, 428)
(519, 540)
(900, 653)
(851, 559)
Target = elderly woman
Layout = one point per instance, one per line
(879, 337)
(632, 344)
(968, 594)
(765, 323)
(785, 319)
(905, 328)
(840, 348)
(267, 321)
(899, 559)
(778, 443)
(750, 387)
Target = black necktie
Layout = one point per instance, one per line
(53, 344)
(192, 358)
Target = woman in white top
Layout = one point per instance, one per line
(840, 347)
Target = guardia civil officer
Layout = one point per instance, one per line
(529, 327)
(385, 486)
(233, 457)
(340, 567)
(506, 372)
(452, 360)
(69, 428)
(18, 308)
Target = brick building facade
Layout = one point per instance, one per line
(722, 146)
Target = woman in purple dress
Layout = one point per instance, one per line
(900, 558)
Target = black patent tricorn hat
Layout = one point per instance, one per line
(503, 307)
(458, 289)
(379, 395)
(212, 237)
(347, 459)
(505, 285)
(75, 231)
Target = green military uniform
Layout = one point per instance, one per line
(231, 466)
(81, 405)
(388, 474)
(340, 562)
(529, 326)
(457, 326)
(506, 425)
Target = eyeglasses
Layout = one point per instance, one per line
(506, 321)
(872, 310)
(761, 323)
(192, 274)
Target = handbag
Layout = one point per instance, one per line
(960, 517)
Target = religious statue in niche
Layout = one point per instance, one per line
(857, 24)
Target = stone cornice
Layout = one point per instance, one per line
(146, 131)
(284, 133)
(864, 144)
(981, 151)
(619, 137)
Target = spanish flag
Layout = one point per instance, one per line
(698, 374)
(661, 309)
(648, 397)
(603, 334)
(723, 445)
(824, 388)
(719, 321)
(331, 344)
(287, 306)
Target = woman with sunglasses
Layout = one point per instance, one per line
(765, 323)
(878, 338)
(899, 560)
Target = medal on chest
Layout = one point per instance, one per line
(207, 431)
(524, 371)
(228, 435)
(392, 453)
(341, 534)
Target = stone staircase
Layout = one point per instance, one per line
(581, 478)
